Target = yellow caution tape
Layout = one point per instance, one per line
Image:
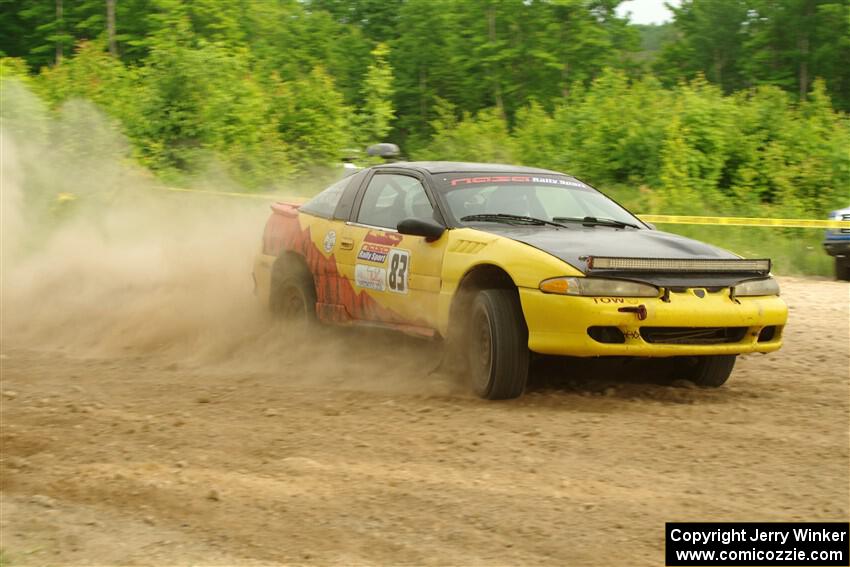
(268, 197)
(745, 221)
(265, 197)
(661, 219)
(64, 197)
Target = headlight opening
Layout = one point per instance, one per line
(597, 287)
(754, 288)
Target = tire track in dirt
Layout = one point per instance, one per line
(151, 459)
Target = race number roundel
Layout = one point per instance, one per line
(398, 268)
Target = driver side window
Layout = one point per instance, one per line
(391, 198)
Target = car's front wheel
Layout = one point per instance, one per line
(497, 345)
(705, 371)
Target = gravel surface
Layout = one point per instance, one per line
(344, 448)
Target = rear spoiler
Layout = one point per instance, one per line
(287, 208)
(608, 264)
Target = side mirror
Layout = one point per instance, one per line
(420, 227)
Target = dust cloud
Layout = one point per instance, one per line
(99, 262)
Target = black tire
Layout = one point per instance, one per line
(842, 269)
(293, 294)
(705, 371)
(497, 345)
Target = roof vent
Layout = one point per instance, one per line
(384, 150)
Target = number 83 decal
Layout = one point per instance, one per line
(399, 267)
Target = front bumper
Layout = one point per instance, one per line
(558, 324)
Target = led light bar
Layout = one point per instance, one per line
(677, 265)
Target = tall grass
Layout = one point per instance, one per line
(794, 251)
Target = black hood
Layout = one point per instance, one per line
(576, 242)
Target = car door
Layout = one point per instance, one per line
(397, 276)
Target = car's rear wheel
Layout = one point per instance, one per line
(842, 268)
(497, 345)
(294, 295)
(705, 371)
(297, 303)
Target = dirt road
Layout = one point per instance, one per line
(156, 459)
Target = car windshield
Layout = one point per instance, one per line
(480, 197)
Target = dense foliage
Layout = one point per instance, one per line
(736, 105)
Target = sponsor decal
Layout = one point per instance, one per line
(553, 181)
(370, 277)
(373, 253)
(330, 241)
(516, 179)
(398, 271)
(492, 179)
(345, 300)
(383, 238)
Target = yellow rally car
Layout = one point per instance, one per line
(503, 261)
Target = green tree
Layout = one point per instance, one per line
(313, 119)
(483, 137)
(680, 169)
(419, 57)
(745, 43)
(377, 18)
(377, 111)
(710, 41)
